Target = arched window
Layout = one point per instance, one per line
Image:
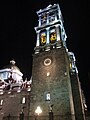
(43, 36)
(43, 19)
(52, 35)
(51, 16)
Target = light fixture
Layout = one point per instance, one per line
(23, 100)
(18, 90)
(29, 89)
(38, 110)
(1, 92)
(9, 92)
(1, 102)
(48, 74)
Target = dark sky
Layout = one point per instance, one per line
(18, 37)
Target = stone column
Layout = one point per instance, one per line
(38, 41)
(39, 20)
(48, 41)
(47, 17)
(58, 32)
(55, 16)
(37, 49)
(58, 45)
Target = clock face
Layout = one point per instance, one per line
(43, 38)
(47, 62)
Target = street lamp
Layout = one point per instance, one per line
(38, 111)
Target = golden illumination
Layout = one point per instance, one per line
(48, 74)
(70, 65)
(38, 110)
(43, 38)
(53, 37)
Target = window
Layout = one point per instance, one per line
(51, 16)
(48, 96)
(1, 102)
(43, 38)
(52, 35)
(43, 19)
(23, 100)
(5, 75)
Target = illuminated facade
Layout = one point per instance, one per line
(11, 79)
(56, 88)
(56, 92)
(14, 93)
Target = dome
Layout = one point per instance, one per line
(12, 66)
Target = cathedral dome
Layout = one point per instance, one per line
(11, 70)
(12, 66)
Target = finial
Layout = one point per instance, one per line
(12, 62)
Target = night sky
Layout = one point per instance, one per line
(18, 37)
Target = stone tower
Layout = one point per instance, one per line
(56, 92)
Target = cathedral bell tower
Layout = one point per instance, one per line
(50, 30)
(56, 92)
